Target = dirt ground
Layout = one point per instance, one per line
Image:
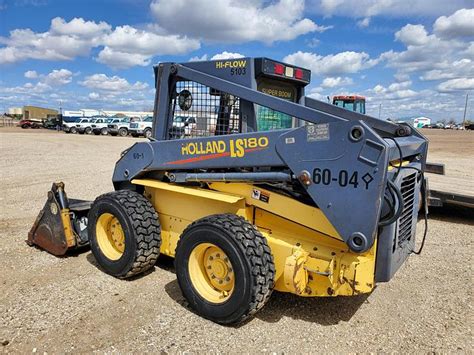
(58, 305)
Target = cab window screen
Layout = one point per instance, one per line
(201, 111)
(268, 119)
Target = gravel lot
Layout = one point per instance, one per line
(57, 305)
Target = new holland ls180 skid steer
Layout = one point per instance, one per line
(262, 189)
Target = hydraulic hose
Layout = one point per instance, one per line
(397, 207)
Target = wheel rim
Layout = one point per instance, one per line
(123, 132)
(211, 273)
(110, 236)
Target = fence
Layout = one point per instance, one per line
(7, 122)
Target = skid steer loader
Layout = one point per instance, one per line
(266, 189)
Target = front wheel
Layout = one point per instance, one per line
(123, 132)
(104, 131)
(88, 130)
(225, 268)
(73, 130)
(124, 233)
(147, 133)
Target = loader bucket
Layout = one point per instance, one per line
(62, 223)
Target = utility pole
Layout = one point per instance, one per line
(380, 110)
(465, 109)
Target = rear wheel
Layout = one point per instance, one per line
(88, 130)
(73, 130)
(104, 131)
(122, 132)
(225, 268)
(124, 233)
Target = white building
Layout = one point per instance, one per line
(419, 122)
(15, 111)
(69, 113)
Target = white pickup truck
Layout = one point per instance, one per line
(119, 126)
(81, 125)
(142, 128)
(100, 126)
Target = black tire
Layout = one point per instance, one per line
(88, 130)
(123, 132)
(147, 133)
(73, 130)
(25, 126)
(141, 228)
(250, 257)
(104, 131)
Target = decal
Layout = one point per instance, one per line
(317, 132)
(206, 150)
(289, 140)
(231, 64)
(343, 178)
(278, 92)
(236, 147)
(260, 195)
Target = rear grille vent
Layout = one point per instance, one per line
(405, 222)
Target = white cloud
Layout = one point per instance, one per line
(78, 27)
(125, 46)
(460, 84)
(114, 83)
(227, 55)
(331, 82)
(121, 60)
(333, 64)
(394, 91)
(235, 21)
(414, 35)
(459, 24)
(94, 96)
(463, 67)
(64, 41)
(198, 59)
(58, 77)
(31, 74)
(365, 22)
(392, 8)
(436, 56)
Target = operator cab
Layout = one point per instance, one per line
(216, 113)
(352, 103)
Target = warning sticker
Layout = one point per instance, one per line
(317, 132)
(260, 195)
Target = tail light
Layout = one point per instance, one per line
(298, 74)
(279, 69)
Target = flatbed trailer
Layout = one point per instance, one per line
(453, 188)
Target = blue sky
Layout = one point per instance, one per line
(411, 57)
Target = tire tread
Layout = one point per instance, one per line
(145, 222)
(254, 245)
